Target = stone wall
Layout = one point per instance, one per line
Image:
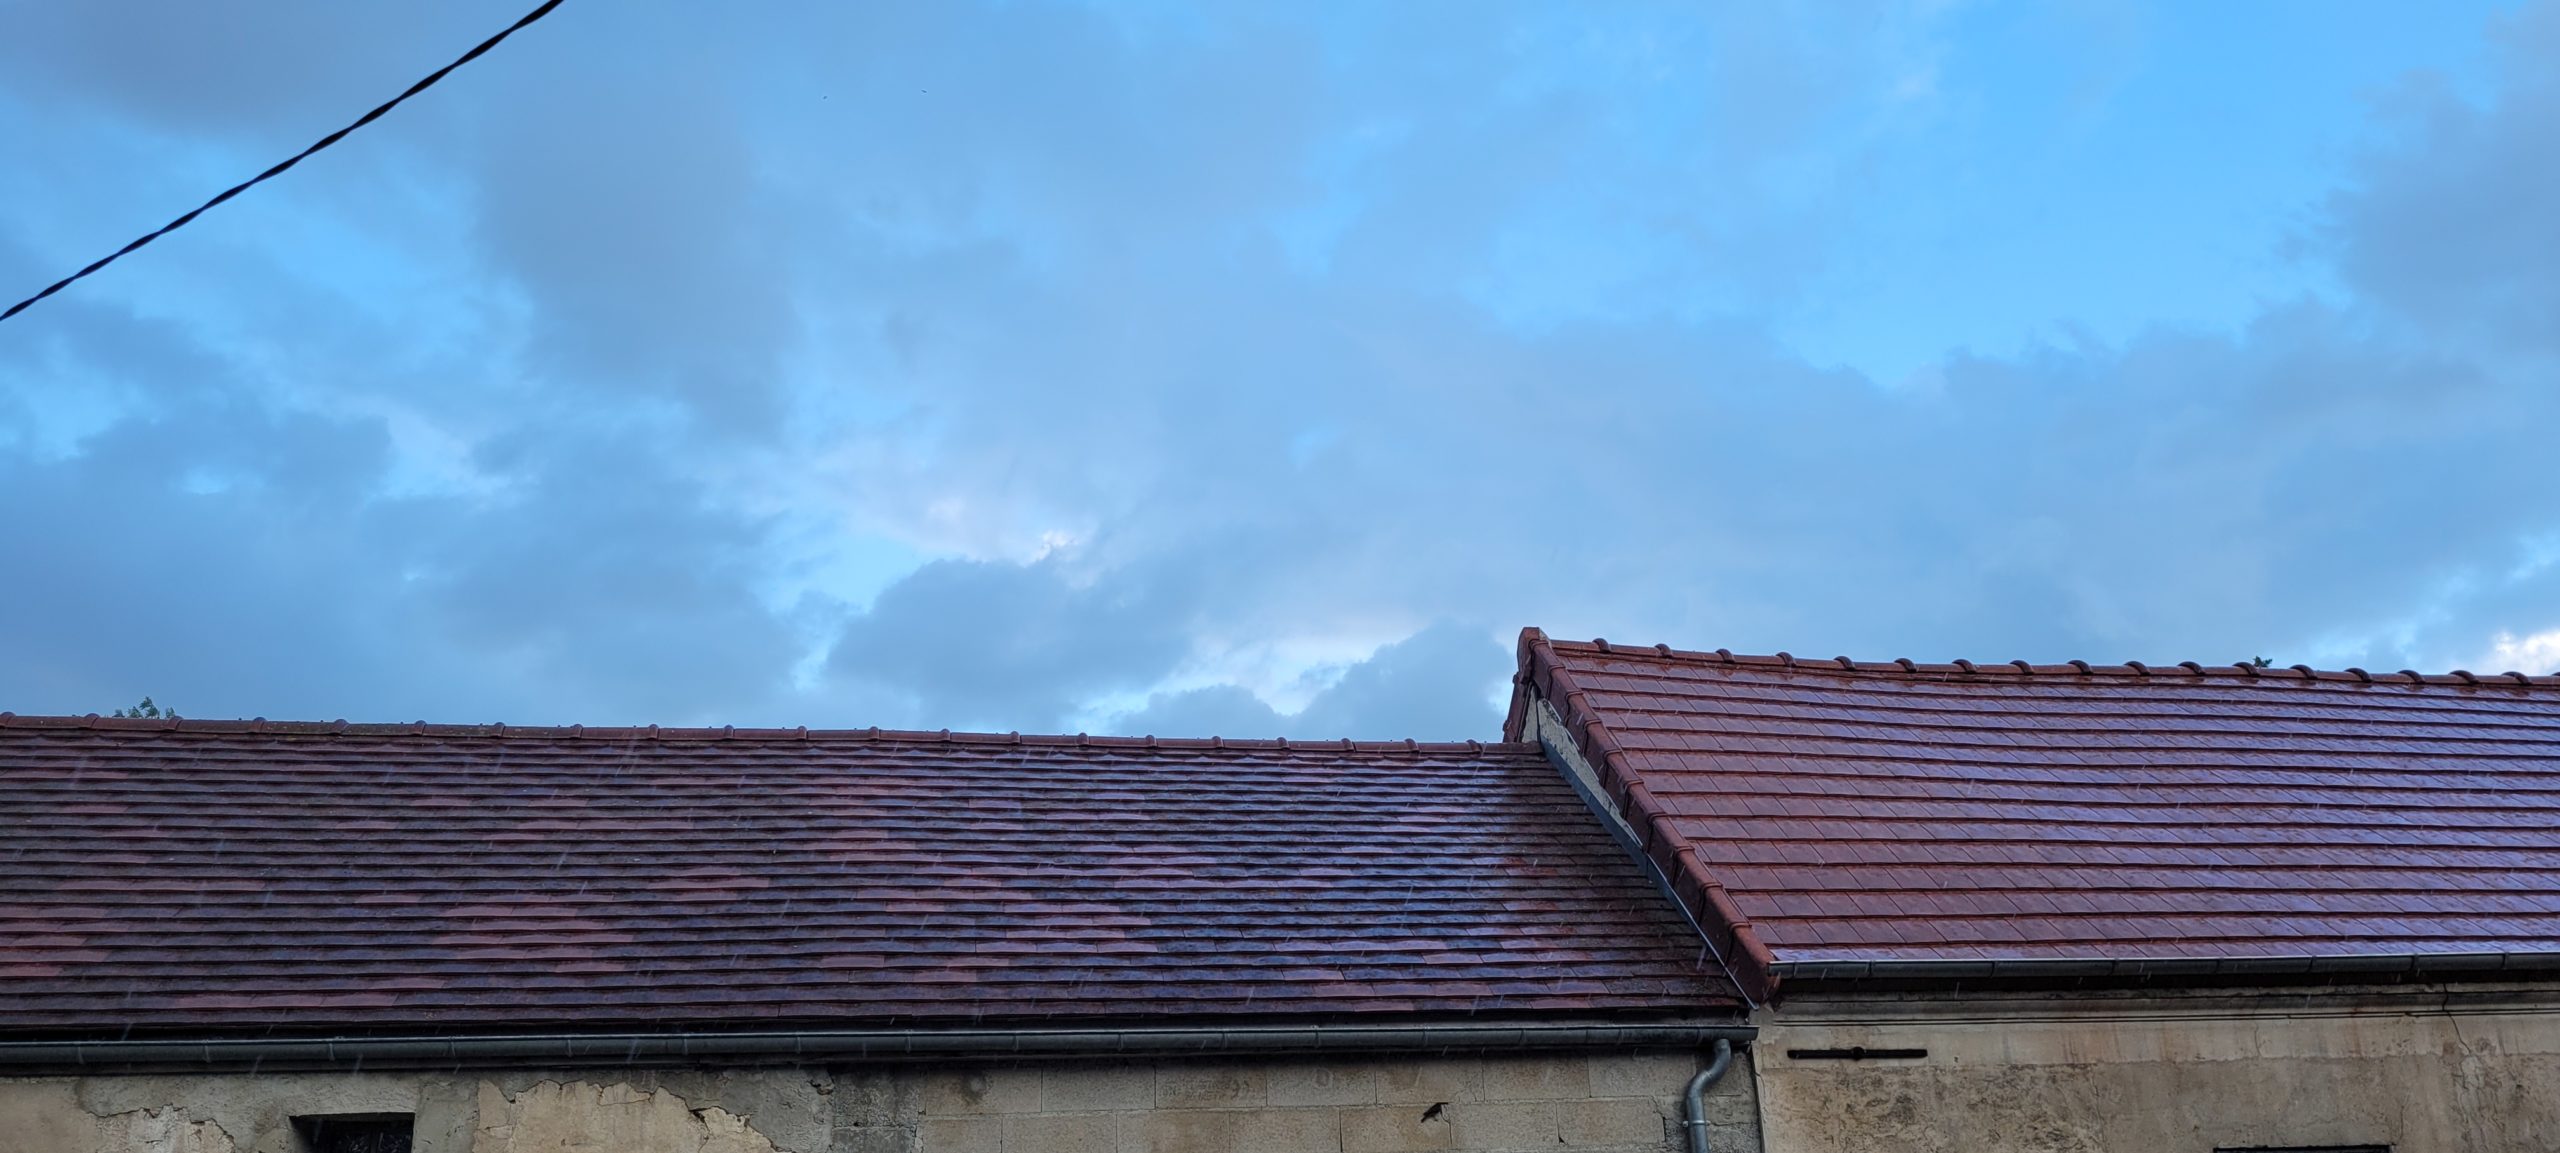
(1623, 1103)
(2418, 1070)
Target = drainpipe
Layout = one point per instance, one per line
(1696, 1101)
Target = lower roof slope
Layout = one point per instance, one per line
(1834, 814)
(248, 875)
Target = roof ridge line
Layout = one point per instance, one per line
(265, 727)
(2026, 670)
(1749, 961)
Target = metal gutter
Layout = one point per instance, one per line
(632, 1049)
(2136, 968)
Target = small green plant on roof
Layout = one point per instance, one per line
(146, 709)
(2260, 662)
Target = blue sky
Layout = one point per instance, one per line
(1261, 370)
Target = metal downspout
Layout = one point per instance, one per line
(1694, 1104)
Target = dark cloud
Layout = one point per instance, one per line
(268, 578)
(209, 562)
(1436, 685)
(239, 558)
(1213, 711)
(2448, 221)
(295, 67)
(993, 645)
(625, 207)
(1253, 329)
(600, 585)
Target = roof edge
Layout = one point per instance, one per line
(2025, 670)
(263, 726)
(1753, 965)
(681, 1048)
(2313, 965)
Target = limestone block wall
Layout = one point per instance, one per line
(2418, 1071)
(1622, 1104)
(1579, 1103)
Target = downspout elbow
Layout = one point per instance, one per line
(1694, 1102)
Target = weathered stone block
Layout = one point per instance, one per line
(1537, 1078)
(792, 1108)
(1427, 1082)
(44, 1117)
(1614, 1121)
(1397, 1129)
(1306, 1105)
(977, 1092)
(1288, 1131)
(1061, 1133)
(1489, 1125)
(1211, 1086)
(871, 1097)
(1738, 1137)
(1732, 1111)
(1643, 1074)
(167, 1130)
(957, 1135)
(887, 1139)
(447, 1112)
(1318, 1083)
(619, 1116)
(1183, 1131)
(1086, 1088)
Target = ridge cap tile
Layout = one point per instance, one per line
(503, 730)
(2019, 669)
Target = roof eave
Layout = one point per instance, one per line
(2134, 970)
(678, 1048)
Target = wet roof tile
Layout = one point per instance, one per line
(2054, 811)
(210, 875)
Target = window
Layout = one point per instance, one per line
(356, 1133)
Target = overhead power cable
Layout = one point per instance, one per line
(296, 158)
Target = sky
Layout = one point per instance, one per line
(1260, 370)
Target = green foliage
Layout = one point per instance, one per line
(2259, 662)
(146, 709)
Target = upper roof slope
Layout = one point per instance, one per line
(1834, 814)
(215, 875)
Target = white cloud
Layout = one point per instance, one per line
(2538, 653)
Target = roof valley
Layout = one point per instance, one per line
(1709, 905)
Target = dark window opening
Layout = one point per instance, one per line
(356, 1133)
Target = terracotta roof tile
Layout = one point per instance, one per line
(252, 874)
(1850, 811)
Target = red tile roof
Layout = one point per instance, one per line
(1826, 816)
(215, 875)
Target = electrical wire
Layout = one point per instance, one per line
(296, 158)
